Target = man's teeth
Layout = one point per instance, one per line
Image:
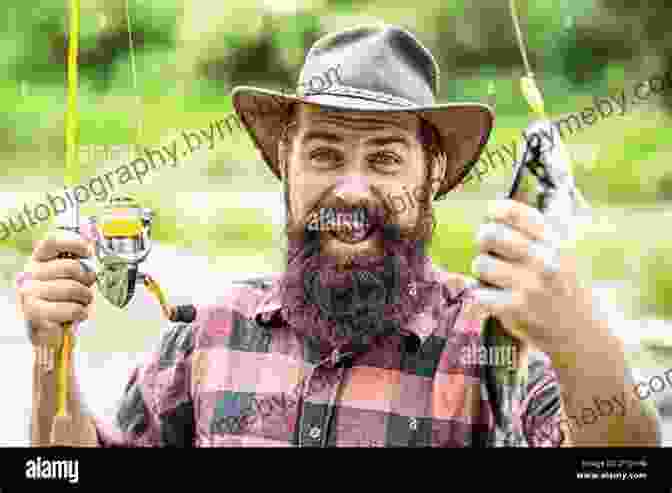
(352, 226)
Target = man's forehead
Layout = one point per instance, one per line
(312, 115)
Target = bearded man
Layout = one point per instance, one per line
(361, 341)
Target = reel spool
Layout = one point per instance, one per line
(122, 242)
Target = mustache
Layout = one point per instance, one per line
(332, 214)
(338, 218)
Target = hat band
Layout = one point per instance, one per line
(378, 97)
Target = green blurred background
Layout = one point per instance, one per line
(189, 54)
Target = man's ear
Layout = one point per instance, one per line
(283, 156)
(439, 167)
(285, 148)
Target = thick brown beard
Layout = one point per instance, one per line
(320, 297)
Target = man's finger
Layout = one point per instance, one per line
(523, 218)
(497, 301)
(545, 258)
(50, 334)
(503, 241)
(50, 248)
(510, 245)
(507, 306)
(59, 291)
(499, 273)
(64, 269)
(37, 309)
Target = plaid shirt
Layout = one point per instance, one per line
(239, 376)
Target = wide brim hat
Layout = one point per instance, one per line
(371, 68)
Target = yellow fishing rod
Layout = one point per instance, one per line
(121, 237)
(60, 429)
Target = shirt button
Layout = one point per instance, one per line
(413, 424)
(412, 289)
(315, 433)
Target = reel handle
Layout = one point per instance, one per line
(179, 313)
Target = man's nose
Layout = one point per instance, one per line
(353, 189)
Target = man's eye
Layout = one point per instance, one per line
(324, 156)
(385, 159)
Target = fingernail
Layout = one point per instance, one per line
(482, 264)
(486, 232)
(492, 296)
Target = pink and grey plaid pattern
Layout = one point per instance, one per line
(238, 376)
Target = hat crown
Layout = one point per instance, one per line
(371, 68)
(377, 59)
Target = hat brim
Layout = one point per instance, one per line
(463, 128)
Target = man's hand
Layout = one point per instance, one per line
(541, 299)
(58, 290)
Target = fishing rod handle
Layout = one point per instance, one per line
(64, 359)
(68, 222)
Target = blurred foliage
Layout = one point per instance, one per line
(238, 232)
(628, 160)
(189, 54)
(38, 36)
(657, 271)
(652, 32)
(259, 60)
(453, 245)
(185, 48)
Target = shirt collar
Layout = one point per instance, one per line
(270, 304)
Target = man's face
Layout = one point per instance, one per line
(354, 159)
(352, 276)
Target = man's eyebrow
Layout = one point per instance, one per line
(322, 135)
(393, 139)
(375, 141)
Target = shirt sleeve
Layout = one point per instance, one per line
(156, 409)
(541, 411)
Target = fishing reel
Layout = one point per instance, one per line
(122, 241)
